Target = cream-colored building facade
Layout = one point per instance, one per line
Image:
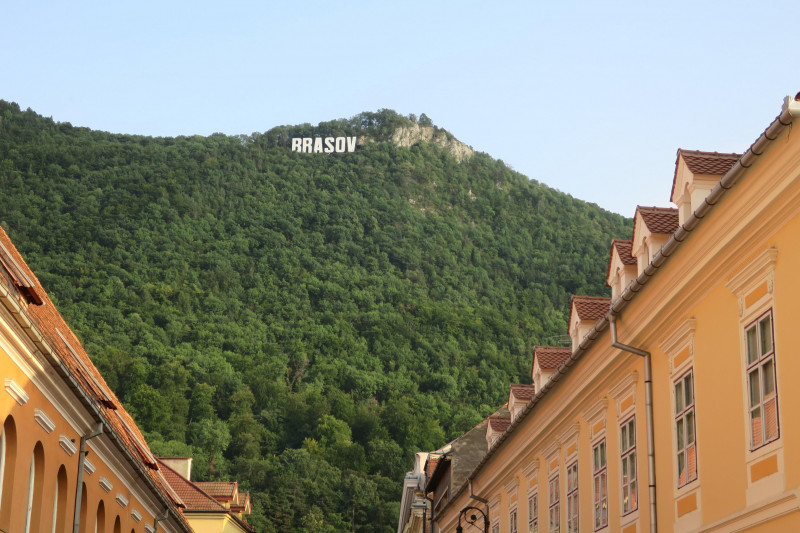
(675, 409)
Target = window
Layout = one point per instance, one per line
(533, 513)
(685, 429)
(600, 474)
(496, 527)
(572, 498)
(762, 392)
(555, 507)
(628, 455)
(512, 521)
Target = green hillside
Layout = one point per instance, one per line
(289, 319)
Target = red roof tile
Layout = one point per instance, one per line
(623, 248)
(62, 341)
(499, 424)
(219, 489)
(714, 163)
(711, 163)
(523, 392)
(193, 496)
(551, 357)
(659, 219)
(590, 308)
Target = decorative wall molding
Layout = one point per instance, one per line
(122, 500)
(88, 467)
(136, 515)
(43, 420)
(105, 484)
(680, 338)
(16, 391)
(67, 444)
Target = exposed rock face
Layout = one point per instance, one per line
(410, 135)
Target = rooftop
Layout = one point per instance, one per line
(551, 357)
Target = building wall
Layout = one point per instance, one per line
(691, 316)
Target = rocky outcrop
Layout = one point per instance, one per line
(410, 135)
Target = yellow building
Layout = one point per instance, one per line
(672, 410)
(209, 507)
(71, 457)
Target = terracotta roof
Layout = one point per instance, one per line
(623, 248)
(219, 489)
(590, 308)
(193, 496)
(523, 392)
(712, 163)
(551, 357)
(67, 348)
(659, 219)
(499, 424)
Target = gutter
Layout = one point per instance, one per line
(648, 400)
(789, 111)
(76, 522)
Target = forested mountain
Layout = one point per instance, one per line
(289, 319)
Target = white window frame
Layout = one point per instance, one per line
(761, 364)
(685, 428)
(628, 466)
(533, 513)
(600, 483)
(573, 502)
(554, 504)
(512, 520)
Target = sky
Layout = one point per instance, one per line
(591, 98)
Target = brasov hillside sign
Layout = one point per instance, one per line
(327, 145)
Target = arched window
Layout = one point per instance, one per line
(117, 526)
(8, 456)
(100, 521)
(33, 506)
(60, 502)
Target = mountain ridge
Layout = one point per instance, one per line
(287, 318)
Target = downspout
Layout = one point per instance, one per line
(648, 400)
(474, 496)
(82, 453)
(160, 519)
(433, 517)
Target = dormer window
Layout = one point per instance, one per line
(696, 174)
(621, 267)
(652, 228)
(546, 359)
(584, 312)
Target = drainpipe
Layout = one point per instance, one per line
(648, 399)
(82, 453)
(474, 496)
(160, 519)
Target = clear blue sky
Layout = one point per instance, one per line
(591, 98)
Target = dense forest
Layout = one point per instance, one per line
(302, 323)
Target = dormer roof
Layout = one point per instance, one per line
(623, 249)
(589, 308)
(663, 220)
(498, 424)
(551, 357)
(522, 392)
(706, 163)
